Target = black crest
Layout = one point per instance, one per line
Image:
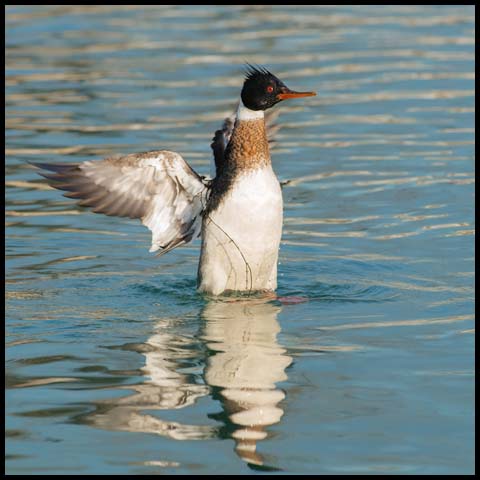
(253, 72)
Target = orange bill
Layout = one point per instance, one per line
(292, 94)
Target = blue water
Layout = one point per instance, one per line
(115, 365)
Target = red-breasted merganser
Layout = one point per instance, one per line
(238, 213)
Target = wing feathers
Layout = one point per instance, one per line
(158, 187)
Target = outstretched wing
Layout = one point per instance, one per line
(222, 136)
(158, 187)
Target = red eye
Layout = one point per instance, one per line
(269, 89)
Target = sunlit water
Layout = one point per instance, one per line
(115, 365)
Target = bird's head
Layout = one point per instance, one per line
(262, 89)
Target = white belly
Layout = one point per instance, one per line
(241, 238)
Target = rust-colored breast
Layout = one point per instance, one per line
(248, 147)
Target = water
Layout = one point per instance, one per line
(116, 366)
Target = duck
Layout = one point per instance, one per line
(238, 213)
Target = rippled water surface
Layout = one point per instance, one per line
(115, 365)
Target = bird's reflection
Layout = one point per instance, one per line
(243, 363)
(164, 389)
(246, 364)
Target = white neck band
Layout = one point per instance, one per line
(244, 113)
